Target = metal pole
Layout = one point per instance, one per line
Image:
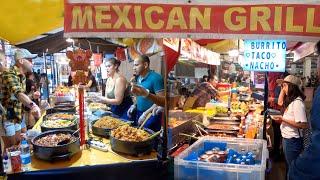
(56, 67)
(46, 79)
(265, 106)
(53, 72)
(164, 152)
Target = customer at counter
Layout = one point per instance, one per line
(70, 81)
(294, 118)
(206, 91)
(34, 95)
(273, 103)
(306, 166)
(14, 97)
(116, 91)
(149, 91)
(92, 84)
(204, 78)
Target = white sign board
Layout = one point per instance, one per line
(265, 55)
(200, 72)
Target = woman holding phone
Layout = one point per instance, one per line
(294, 117)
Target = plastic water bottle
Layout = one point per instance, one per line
(25, 155)
(6, 164)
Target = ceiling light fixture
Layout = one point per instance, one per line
(234, 52)
(69, 40)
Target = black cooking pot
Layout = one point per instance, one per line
(60, 152)
(73, 126)
(57, 109)
(51, 114)
(104, 132)
(133, 148)
(70, 109)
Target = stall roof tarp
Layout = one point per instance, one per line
(21, 20)
(56, 42)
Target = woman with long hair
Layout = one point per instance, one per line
(306, 166)
(92, 84)
(293, 119)
(117, 91)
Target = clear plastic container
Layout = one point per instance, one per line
(187, 165)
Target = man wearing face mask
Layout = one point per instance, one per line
(149, 91)
(14, 98)
(306, 166)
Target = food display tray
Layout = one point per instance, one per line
(225, 122)
(225, 118)
(226, 127)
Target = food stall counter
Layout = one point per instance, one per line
(87, 157)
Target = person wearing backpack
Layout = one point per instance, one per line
(294, 118)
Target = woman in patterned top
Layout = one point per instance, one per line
(206, 91)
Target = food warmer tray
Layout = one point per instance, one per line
(225, 122)
(222, 131)
(187, 126)
(225, 118)
(223, 127)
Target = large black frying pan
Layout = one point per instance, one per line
(60, 152)
(67, 109)
(51, 114)
(133, 148)
(74, 126)
(104, 132)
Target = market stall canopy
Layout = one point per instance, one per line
(54, 43)
(27, 19)
(224, 46)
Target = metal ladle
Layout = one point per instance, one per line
(66, 141)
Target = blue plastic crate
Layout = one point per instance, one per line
(187, 165)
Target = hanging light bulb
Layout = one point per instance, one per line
(69, 40)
